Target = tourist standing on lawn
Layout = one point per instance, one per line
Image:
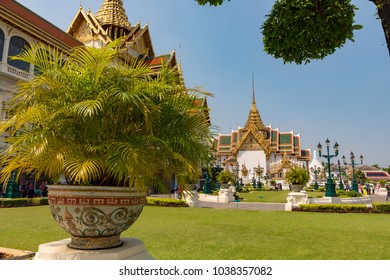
(30, 191)
(23, 189)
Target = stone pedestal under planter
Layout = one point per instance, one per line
(296, 198)
(226, 195)
(131, 249)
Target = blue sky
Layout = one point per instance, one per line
(345, 97)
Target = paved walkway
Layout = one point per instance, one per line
(256, 205)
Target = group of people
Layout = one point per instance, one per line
(28, 190)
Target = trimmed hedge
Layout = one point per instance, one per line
(23, 202)
(169, 202)
(377, 207)
(333, 208)
(381, 207)
(37, 201)
(344, 193)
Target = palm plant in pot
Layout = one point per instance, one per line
(224, 177)
(298, 178)
(109, 129)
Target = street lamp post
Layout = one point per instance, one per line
(207, 184)
(330, 184)
(217, 183)
(259, 171)
(341, 185)
(353, 164)
(237, 176)
(315, 171)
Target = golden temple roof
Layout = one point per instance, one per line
(254, 115)
(113, 13)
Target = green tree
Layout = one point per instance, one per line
(360, 177)
(97, 120)
(386, 169)
(302, 30)
(382, 183)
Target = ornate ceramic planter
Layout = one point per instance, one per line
(297, 187)
(94, 216)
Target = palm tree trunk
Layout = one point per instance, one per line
(384, 14)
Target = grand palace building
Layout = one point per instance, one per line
(259, 151)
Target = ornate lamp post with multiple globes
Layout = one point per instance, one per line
(330, 184)
(316, 170)
(237, 173)
(341, 186)
(218, 169)
(354, 183)
(259, 171)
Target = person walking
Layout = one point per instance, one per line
(388, 193)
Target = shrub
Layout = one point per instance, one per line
(245, 189)
(169, 202)
(225, 177)
(381, 207)
(352, 194)
(341, 193)
(336, 208)
(23, 202)
(297, 176)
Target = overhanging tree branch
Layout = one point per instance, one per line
(383, 7)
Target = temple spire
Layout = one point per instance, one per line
(254, 115)
(112, 17)
(253, 90)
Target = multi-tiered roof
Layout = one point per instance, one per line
(256, 136)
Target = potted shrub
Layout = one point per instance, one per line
(298, 178)
(108, 128)
(224, 177)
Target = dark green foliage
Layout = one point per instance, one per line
(225, 177)
(20, 202)
(211, 2)
(360, 177)
(170, 202)
(381, 207)
(338, 208)
(377, 207)
(343, 193)
(298, 176)
(302, 30)
(37, 201)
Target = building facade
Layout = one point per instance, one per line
(21, 28)
(259, 151)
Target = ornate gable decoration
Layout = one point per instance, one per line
(86, 28)
(254, 132)
(253, 140)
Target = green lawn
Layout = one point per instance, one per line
(272, 196)
(199, 234)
